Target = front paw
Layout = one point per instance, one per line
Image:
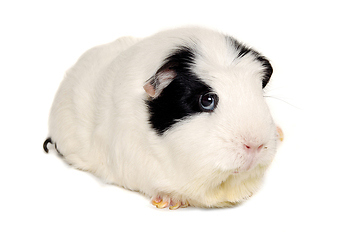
(166, 201)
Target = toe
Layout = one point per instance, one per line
(174, 205)
(185, 204)
(164, 202)
(160, 202)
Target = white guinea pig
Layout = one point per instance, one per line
(179, 116)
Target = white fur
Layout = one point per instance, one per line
(99, 121)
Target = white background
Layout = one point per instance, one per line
(312, 188)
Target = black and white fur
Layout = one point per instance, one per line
(179, 115)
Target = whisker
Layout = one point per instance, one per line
(283, 101)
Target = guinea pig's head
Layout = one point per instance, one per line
(207, 108)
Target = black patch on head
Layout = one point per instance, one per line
(243, 50)
(180, 98)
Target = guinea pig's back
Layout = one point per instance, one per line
(83, 94)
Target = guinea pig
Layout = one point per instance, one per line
(179, 116)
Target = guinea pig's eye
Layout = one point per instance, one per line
(208, 102)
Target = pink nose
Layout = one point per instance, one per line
(250, 148)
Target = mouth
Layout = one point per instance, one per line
(246, 166)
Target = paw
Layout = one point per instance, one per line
(166, 201)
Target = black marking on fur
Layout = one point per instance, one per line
(239, 47)
(58, 150)
(243, 50)
(180, 98)
(268, 70)
(46, 142)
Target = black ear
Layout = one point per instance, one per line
(162, 78)
(268, 70)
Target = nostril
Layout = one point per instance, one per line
(249, 148)
(253, 148)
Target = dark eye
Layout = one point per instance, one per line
(208, 102)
